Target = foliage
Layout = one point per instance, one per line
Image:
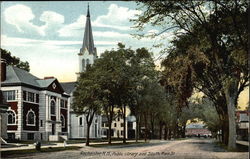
(15, 61)
(211, 52)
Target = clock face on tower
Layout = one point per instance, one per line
(54, 86)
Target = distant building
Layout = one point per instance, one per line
(87, 56)
(117, 127)
(197, 129)
(38, 108)
(242, 123)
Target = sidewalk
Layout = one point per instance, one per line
(32, 146)
(245, 143)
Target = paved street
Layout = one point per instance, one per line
(179, 149)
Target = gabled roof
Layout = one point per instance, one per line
(17, 76)
(44, 83)
(68, 87)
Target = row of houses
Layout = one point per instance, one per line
(40, 109)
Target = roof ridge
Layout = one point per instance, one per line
(12, 67)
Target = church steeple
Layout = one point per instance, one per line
(88, 52)
(88, 41)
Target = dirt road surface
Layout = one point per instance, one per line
(177, 149)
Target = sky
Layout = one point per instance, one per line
(49, 34)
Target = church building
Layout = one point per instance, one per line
(87, 56)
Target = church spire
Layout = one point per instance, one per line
(88, 41)
(88, 15)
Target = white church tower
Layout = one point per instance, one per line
(88, 52)
(77, 124)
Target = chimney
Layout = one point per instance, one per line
(3, 70)
(50, 77)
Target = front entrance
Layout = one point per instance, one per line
(53, 129)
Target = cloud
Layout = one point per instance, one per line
(21, 17)
(53, 21)
(74, 29)
(117, 18)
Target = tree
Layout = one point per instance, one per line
(222, 26)
(15, 61)
(88, 97)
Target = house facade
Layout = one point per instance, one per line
(87, 56)
(38, 108)
(117, 126)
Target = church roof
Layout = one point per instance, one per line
(68, 86)
(88, 41)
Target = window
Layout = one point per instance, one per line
(63, 121)
(37, 98)
(122, 132)
(103, 124)
(83, 64)
(87, 62)
(9, 95)
(114, 124)
(53, 107)
(24, 95)
(30, 136)
(31, 97)
(122, 124)
(31, 118)
(11, 117)
(118, 119)
(41, 123)
(130, 124)
(80, 121)
(62, 103)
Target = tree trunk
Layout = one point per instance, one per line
(137, 129)
(87, 137)
(231, 119)
(124, 125)
(160, 133)
(146, 127)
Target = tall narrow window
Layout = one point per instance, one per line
(53, 107)
(63, 121)
(11, 117)
(80, 121)
(31, 97)
(83, 64)
(24, 95)
(87, 62)
(31, 118)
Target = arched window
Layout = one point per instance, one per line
(63, 121)
(11, 117)
(83, 64)
(87, 61)
(53, 107)
(31, 118)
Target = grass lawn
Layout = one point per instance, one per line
(24, 152)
